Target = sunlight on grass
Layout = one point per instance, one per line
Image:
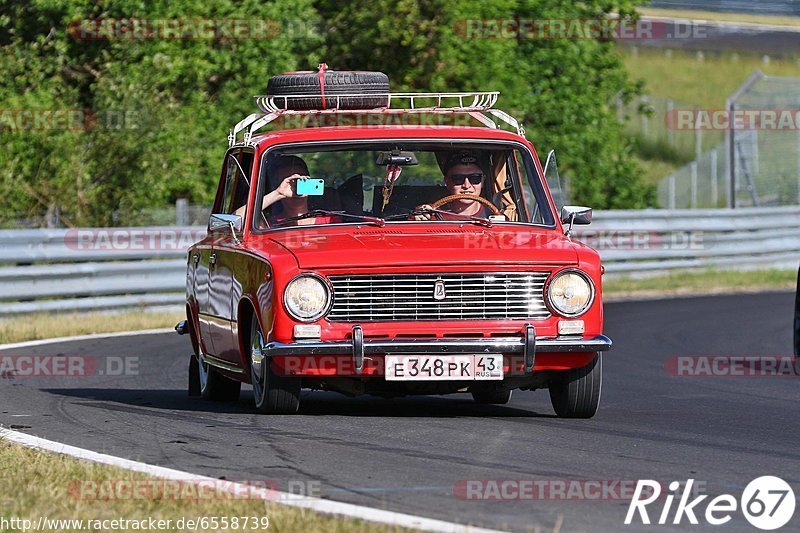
(46, 326)
(707, 282)
(687, 80)
(54, 486)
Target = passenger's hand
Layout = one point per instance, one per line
(424, 216)
(287, 189)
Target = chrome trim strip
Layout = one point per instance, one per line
(600, 343)
(224, 365)
(470, 295)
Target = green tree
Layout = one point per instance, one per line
(160, 108)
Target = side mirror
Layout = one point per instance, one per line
(220, 221)
(575, 214)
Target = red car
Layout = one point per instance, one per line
(371, 250)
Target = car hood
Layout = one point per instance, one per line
(425, 245)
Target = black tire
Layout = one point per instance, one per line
(273, 394)
(576, 393)
(797, 318)
(492, 396)
(194, 376)
(336, 82)
(214, 386)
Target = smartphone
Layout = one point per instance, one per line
(311, 187)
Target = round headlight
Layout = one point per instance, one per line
(570, 293)
(307, 297)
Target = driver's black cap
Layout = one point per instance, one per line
(463, 157)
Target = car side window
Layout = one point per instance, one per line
(226, 183)
(532, 193)
(236, 198)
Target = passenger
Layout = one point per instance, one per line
(283, 173)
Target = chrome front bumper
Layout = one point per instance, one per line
(528, 345)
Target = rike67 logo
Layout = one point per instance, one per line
(767, 502)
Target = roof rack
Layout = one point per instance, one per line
(479, 105)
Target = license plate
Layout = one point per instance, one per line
(443, 367)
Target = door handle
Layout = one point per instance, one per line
(212, 260)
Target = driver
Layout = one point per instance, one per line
(462, 175)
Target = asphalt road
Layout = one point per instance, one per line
(408, 454)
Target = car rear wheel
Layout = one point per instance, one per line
(492, 396)
(273, 394)
(576, 393)
(797, 318)
(213, 385)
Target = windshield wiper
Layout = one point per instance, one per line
(478, 220)
(323, 212)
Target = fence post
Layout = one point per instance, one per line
(714, 189)
(181, 212)
(693, 200)
(754, 151)
(698, 137)
(671, 191)
(54, 216)
(730, 152)
(730, 137)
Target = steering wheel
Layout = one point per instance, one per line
(453, 197)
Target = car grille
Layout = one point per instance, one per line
(470, 296)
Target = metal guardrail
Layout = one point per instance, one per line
(641, 243)
(129, 268)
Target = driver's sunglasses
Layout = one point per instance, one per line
(458, 179)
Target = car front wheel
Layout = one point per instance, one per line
(576, 392)
(274, 394)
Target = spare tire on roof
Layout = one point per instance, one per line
(335, 82)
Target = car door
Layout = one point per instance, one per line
(211, 294)
(226, 256)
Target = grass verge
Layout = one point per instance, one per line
(699, 283)
(35, 484)
(47, 326)
(682, 77)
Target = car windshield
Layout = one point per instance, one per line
(379, 183)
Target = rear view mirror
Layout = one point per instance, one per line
(396, 157)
